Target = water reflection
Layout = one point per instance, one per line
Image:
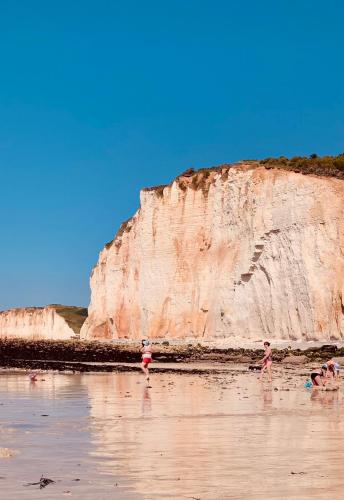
(266, 393)
(327, 399)
(187, 436)
(222, 435)
(146, 402)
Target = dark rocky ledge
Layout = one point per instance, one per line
(83, 356)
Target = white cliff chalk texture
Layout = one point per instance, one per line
(233, 252)
(54, 322)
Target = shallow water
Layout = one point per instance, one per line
(102, 436)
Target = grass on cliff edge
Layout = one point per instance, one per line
(74, 316)
(331, 166)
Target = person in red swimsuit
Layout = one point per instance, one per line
(146, 357)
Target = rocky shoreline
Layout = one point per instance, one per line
(85, 356)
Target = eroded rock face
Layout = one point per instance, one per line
(53, 322)
(231, 252)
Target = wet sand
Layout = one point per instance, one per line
(190, 436)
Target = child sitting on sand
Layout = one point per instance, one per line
(319, 379)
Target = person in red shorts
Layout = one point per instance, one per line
(146, 357)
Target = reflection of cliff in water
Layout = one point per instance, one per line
(202, 437)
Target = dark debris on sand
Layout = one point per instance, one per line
(42, 483)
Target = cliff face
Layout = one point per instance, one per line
(53, 322)
(239, 251)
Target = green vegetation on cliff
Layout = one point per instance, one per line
(74, 316)
(330, 166)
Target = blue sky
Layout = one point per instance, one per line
(99, 99)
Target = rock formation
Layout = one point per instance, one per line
(239, 251)
(54, 322)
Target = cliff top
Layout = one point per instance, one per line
(328, 166)
(73, 315)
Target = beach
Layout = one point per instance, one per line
(86, 356)
(216, 433)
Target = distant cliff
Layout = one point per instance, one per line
(248, 251)
(54, 322)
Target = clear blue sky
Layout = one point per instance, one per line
(101, 98)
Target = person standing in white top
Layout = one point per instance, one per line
(146, 357)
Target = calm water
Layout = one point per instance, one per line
(102, 436)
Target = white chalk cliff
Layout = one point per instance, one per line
(54, 322)
(238, 251)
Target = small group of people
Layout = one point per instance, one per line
(147, 350)
(328, 372)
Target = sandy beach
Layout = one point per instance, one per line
(219, 434)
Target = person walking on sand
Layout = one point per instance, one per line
(146, 357)
(266, 361)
